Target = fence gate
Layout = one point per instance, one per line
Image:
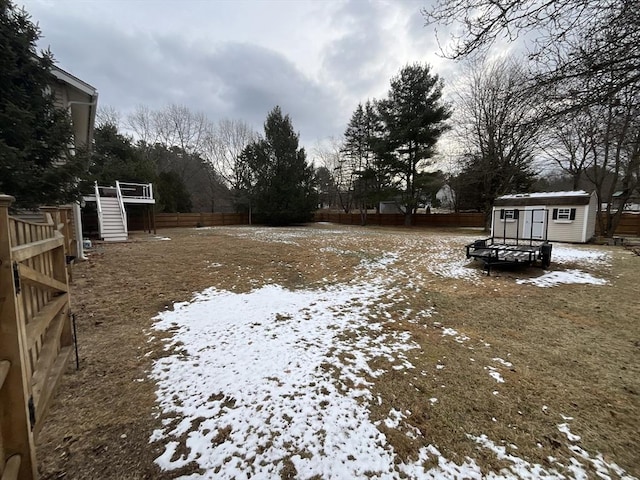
(35, 333)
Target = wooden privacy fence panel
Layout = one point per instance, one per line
(35, 331)
(190, 220)
(629, 225)
(397, 219)
(63, 219)
(173, 220)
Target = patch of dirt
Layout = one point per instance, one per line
(573, 349)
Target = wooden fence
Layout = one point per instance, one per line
(35, 331)
(629, 225)
(172, 220)
(629, 222)
(189, 220)
(418, 220)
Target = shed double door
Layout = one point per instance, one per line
(535, 219)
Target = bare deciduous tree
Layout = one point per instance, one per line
(498, 130)
(330, 156)
(223, 148)
(569, 39)
(176, 125)
(107, 115)
(615, 146)
(568, 144)
(141, 123)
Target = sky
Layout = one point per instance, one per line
(238, 59)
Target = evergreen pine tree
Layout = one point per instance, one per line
(281, 181)
(413, 116)
(35, 165)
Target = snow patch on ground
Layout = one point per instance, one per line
(459, 337)
(260, 376)
(564, 428)
(447, 259)
(495, 374)
(551, 279)
(285, 235)
(260, 380)
(580, 255)
(503, 362)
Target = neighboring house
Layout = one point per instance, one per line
(554, 216)
(631, 205)
(391, 207)
(446, 197)
(81, 100)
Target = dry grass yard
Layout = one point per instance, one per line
(345, 352)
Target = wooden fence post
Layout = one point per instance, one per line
(18, 447)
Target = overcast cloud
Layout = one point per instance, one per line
(238, 59)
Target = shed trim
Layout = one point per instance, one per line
(546, 198)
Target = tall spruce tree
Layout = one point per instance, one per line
(35, 164)
(279, 179)
(368, 174)
(413, 117)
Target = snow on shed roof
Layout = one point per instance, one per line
(578, 197)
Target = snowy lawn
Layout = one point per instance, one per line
(358, 376)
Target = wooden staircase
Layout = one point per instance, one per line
(113, 226)
(111, 201)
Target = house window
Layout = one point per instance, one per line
(509, 215)
(564, 215)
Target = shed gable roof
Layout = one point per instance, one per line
(579, 197)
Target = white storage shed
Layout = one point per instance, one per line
(553, 216)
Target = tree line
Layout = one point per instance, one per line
(566, 115)
(388, 147)
(569, 104)
(196, 164)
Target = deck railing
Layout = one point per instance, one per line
(128, 190)
(142, 191)
(98, 204)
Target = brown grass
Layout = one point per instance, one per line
(574, 348)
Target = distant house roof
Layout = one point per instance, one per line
(634, 193)
(579, 197)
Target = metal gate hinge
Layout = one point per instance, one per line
(32, 412)
(16, 277)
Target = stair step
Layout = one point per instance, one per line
(112, 225)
